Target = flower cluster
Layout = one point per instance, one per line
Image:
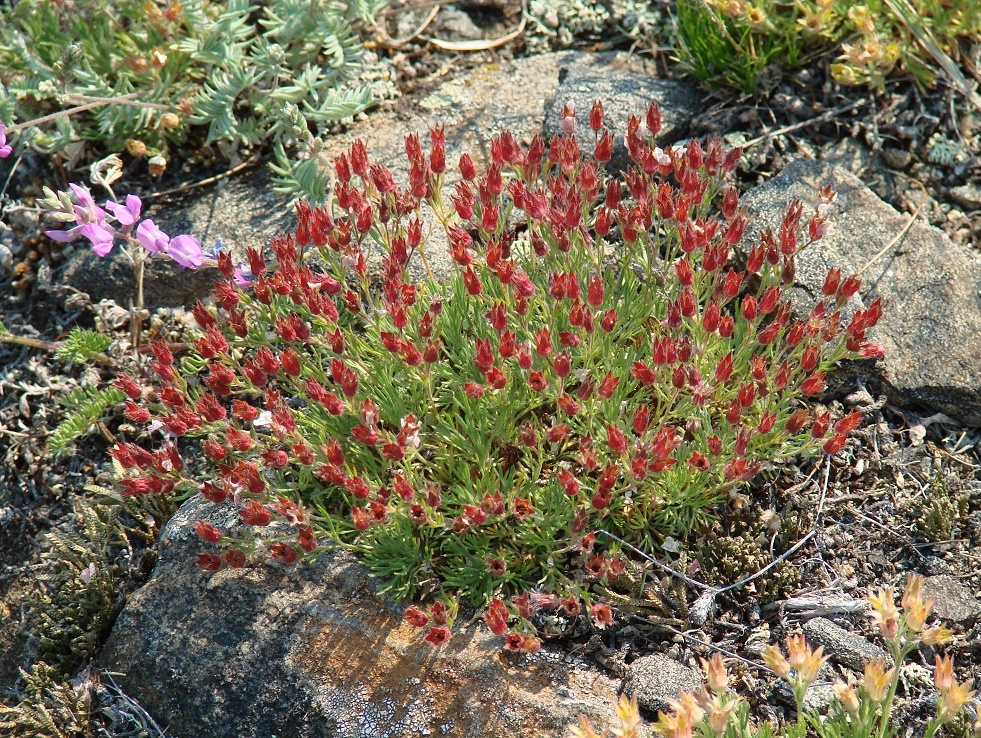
(598, 360)
(93, 223)
(903, 630)
(863, 709)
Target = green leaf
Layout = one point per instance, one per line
(82, 345)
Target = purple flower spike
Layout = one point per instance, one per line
(100, 236)
(5, 150)
(153, 239)
(186, 251)
(126, 214)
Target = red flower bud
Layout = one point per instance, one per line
(360, 517)
(769, 300)
(616, 439)
(364, 434)
(129, 387)
(484, 357)
(608, 385)
(821, 424)
(359, 158)
(209, 562)
(234, 558)
(137, 414)
(710, 320)
(643, 373)
(416, 617)
(529, 436)
(747, 394)
(653, 118)
(467, 169)
(698, 461)
(562, 364)
(537, 381)
(496, 378)
(437, 159)
(596, 115)
(275, 458)
(849, 287)
(734, 413)
(496, 617)
(835, 444)
(557, 433)
(283, 552)
(849, 423)
(769, 334)
(255, 514)
(686, 302)
(604, 147)
(569, 483)
(831, 282)
(641, 419)
(813, 384)
(795, 334)
(207, 531)
(595, 291)
(472, 281)
(731, 283)
(724, 370)
(809, 359)
(568, 405)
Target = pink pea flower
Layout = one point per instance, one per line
(101, 237)
(153, 239)
(186, 251)
(5, 150)
(242, 278)
(126, 214)
(86, 211)
(64, 236)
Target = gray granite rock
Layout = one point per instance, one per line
(930, 287)
(657, 679)
(817, 696)
(844, 647)
(165, 284)
(955, 602)
(623, 93)
(313, 650)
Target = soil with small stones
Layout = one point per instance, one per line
(868, 508)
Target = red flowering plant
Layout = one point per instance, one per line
(597, 360)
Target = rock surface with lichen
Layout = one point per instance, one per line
(314, 650)
(930, 287)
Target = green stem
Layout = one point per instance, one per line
(899, 654)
